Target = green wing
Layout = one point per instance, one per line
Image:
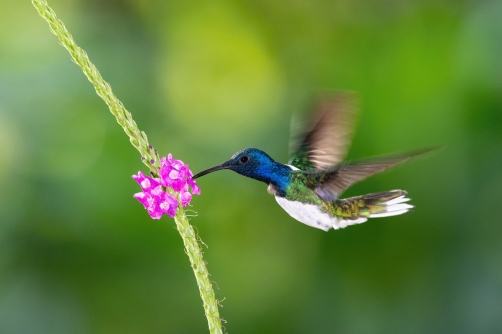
(329, 136)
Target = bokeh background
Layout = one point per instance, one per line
(205, 79)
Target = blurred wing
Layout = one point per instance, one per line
(333, 183)
(328, 138)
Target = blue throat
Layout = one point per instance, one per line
(276, 174)
(263, 168)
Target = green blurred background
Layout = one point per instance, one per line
(207, 78)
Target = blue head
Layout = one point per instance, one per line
(258, 165)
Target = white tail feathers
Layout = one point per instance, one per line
(394, 207)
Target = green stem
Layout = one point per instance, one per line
(149, 156)
(194, 252)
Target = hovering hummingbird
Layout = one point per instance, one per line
(309, 187)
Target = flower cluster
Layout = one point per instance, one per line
(173, 174)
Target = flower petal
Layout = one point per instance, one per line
(145, 182)
(142, 198)
(185, 198)
(168, 205)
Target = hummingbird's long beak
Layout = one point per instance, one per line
(224, 165)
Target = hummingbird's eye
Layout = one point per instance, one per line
(244, 159)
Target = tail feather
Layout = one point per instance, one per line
(382, 204)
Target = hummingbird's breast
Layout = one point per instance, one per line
(313, 215)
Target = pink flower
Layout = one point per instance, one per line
(155, 200)
(176, 174)
(173, 174)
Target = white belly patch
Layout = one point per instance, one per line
(311, 215)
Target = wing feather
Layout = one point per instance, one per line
(329, 136)
(331, 183)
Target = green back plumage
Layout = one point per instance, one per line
(301, 159)
(302, 189)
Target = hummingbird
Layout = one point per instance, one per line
(309, 187)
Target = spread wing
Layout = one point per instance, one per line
(329, 136)
(330, 184)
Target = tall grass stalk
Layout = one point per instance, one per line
(149, 156)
